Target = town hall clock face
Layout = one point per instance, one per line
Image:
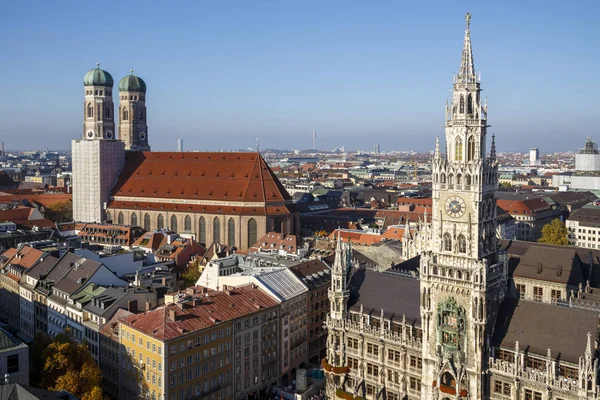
(455, 207)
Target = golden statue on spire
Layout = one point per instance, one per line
(468, 18)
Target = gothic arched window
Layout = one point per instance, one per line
(252, 232)
(470, 104)
(458, 149)
(125, 115)
(468, 181)
(142, 114)
(146, 222)
(442, 178)
(187, 224)
(108, 216)
(160, 221)
(447, 242)
(90, 111)
(462, 244)
(120, 218)
(458, 179)
(450, 180)
(202, 231)
(462, 104)
(134, 219)
(471, 149)
(216, 230)
(174, 223)
(231, 232)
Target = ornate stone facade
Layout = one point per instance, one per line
(456, 328)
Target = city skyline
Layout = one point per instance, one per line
(359, 75)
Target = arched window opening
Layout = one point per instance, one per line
(120, 218)
(458, 179)
(468, 181)
(174, 223)
(187, 224)
(134, 221)
(202, 231)
(216, 230)
(447, 242)
(108, 216)
(442, 178)
(462, 104)
(90, 111)
(458, 149)
(470, 104)
(160, 222)
(450, 179)
(106, 112)
(435, 178)
(146, 222)
(125, 115)
(252, 232)
(462, 244)
(231, 232)
(471, 149)
(458, 275)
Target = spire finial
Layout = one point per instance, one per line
(466, 72)
(98, 65)
(257, 146)
(437, 147)
(493, 149)
(588, 347)
(131, 70)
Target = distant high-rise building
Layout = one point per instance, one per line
(315, 140)
(534, 156)
(376, 148)
(180, 145)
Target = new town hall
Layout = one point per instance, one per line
(463, 322)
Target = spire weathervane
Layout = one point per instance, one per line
(97, 65)
(468, 19)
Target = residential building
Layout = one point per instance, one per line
(530, 215)
(583, 227)
(185, 348)
(108, 234)
(14, 359)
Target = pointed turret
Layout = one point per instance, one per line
(437, 147)
(466, 73)
(493, 149)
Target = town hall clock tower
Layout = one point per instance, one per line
(463, 277)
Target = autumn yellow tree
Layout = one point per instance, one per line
(191, 275)
(554, 233)
(60, 212)
(70, 366)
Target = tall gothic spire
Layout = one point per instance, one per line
(339, 261)
(493, 149)
(466, 72)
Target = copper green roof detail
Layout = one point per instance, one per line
(98, 77)
(132, 83)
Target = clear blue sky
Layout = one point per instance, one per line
(222, 73)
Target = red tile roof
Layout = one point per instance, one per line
(529, 206)
(215, 307)
(44, 199)
(210, 176)
(279, 241)
(16, 214)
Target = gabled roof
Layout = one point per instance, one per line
(209, 176)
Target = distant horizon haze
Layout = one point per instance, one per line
(220, 75)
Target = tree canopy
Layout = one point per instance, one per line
(60, 212)
(67, 365)
(555, 232)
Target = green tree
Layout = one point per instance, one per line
(60, 212)
(69, 366)
(191, 275)
(554, 232)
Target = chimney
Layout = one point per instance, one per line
(148, 306)
(173, 314)
(164, 281)
(132, 306)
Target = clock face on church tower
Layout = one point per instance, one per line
(455, 207)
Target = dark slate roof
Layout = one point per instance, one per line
(542, 326)
(397, 295)
(78, 275)
(14, 391)
(575, 262)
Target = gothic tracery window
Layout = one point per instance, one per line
(187, 224)
(470, 104)
(471, 149)
(90, 111)
(202, 229)
(458, 149)
(447, 242)
(134, 220)
(216, 230)
(252, 232)
(462, 244)
(146, 222)
(231, 232)
(120, 218)
(125, 115)
(174, 223)
(462, 104)
(160, 221)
